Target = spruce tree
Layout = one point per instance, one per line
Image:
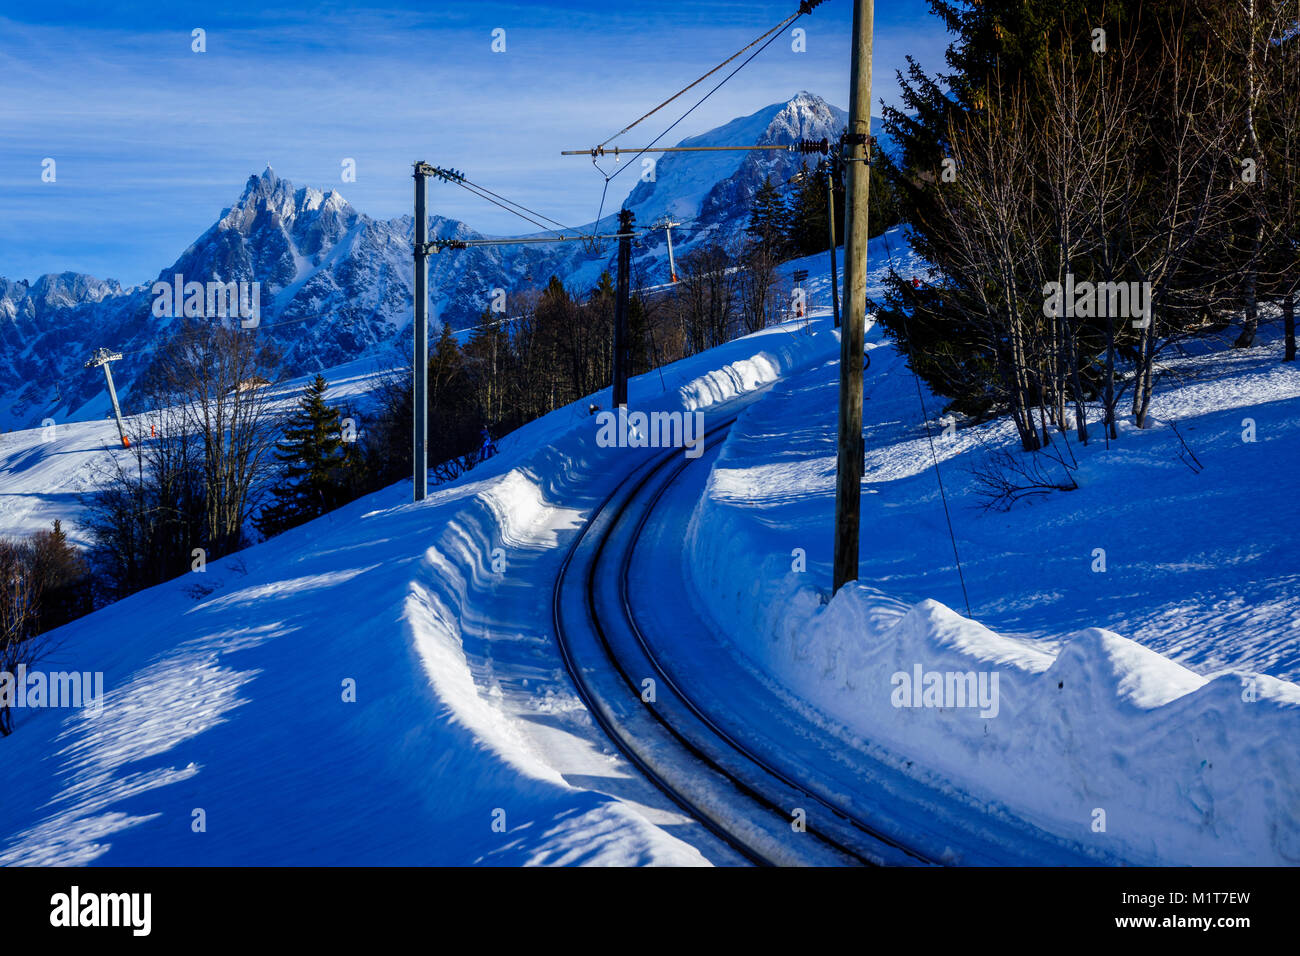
(312, 455)
(809, 231)
(769, 219)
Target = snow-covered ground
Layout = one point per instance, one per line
(46, 472)
(226, 689)
(1156, 688)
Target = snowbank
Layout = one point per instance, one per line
(1089, 735)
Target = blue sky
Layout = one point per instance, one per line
(151, 140)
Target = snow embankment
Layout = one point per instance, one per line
(1084, 733)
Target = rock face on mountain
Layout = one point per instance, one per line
(336, 285)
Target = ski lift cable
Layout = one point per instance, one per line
(182, 337)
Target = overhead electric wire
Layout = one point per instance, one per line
(780, 26)
(468, 187)
(490, 194)
(805, 7)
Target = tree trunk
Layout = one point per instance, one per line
(1142, 374)
(1250, 323)
(1108, 420)
(1288, 324)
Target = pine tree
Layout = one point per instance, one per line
(1006, 104)
(65, 585)
(446, 369)
(313, 459)
(809, 232)
(769, 219)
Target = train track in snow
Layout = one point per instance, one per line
(740, 796)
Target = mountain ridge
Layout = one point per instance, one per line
(336, 284)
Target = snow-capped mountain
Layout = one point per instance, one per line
(710, 187)
(336, 284)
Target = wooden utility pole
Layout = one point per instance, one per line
(420, 398)
(848, 485)
(621, 306)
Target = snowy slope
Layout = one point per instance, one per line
(1119, 691)
(1160, 691)
(225, 689)
(45, 472)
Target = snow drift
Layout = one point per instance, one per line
(1096, 738)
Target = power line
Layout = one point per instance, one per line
(458, 178)
(805, 7)
(688, 112)
(503, 204)
(484, 193)
(520, 205)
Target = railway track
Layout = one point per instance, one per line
(753, 806)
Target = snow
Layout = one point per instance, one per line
(46, 471)
(225, 689)
(1179, 718)
(1127, 691)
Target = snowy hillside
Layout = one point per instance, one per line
(225, 690)
(47, 472)
(228, 692)
(1159, 686)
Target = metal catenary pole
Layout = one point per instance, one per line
(848, 483)
(621, 307)
(419, 452)
(423, 248)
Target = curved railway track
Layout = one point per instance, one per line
(738, 795)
